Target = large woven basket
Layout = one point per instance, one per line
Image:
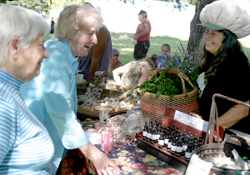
(154, 108)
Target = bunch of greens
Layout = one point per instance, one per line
(168, 84)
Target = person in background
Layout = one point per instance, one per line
(52, 27)
(26, 147)
(135, 72)
(142, 36)
(115, 63)
(99, 56)
(224, 65)
(52, 96)
(165, 51)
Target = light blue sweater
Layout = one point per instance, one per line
(52, 97)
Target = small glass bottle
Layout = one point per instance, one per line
(169, 142)
(158, 133)
(173, 146)
(195, 137)
(177, 130)
(153, 136)
(179, 147)
(200, 142)
(149, 134)
(173, 128)
(144, 132)
(161, 141)
(195, 145)
(185, 143)
(184, 134)
(168, 128)
(166, 138)
(189, 151)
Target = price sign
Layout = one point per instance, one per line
(198, 166)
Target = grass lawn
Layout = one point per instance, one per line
(121, 41)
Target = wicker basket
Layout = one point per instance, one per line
(94, 111)
(154, 108)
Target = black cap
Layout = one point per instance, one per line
(142, 12)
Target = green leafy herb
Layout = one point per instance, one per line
(170, 85)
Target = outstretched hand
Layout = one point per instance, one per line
(103, 165)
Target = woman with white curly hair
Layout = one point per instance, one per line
(26, 147)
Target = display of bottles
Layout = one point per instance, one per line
(172, 138)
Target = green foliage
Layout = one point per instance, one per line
(168, 84)
(179, 3)
(60, 4)
(39, 6)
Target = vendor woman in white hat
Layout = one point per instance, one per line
(224, 65)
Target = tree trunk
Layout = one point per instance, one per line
(196, 32)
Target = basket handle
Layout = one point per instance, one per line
(214, 116)
(182, 77)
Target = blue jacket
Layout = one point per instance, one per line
(52, 97)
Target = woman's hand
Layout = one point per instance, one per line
(195, 115)
(103, 165)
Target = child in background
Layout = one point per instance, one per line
(165, 50)
(115, 62)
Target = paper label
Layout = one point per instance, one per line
(149, 135)
(179, 149)
(198, 166)
(144, 133)
(188, 155)
(166, 141)
(153, 137)
(191, 121)
(160, 142)
(169, 144)
(173, 148)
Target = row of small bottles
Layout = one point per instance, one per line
(171, 139)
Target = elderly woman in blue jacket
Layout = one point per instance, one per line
(52, 96)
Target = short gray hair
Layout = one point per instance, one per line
(75, 18)
(16, 21)
(115, 52)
